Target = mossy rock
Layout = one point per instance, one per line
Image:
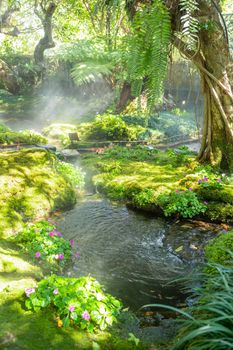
(220, 212)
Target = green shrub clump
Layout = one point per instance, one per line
(75, 301)
(183, 203)
(27, 136)
(73, 175)
(218, 249)
(112, 127)
(44, 243)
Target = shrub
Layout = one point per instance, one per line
(27, 136)
(145, 198)
(183, 203)
(44, 243)
(111, 127)
(76, 301)
(220, 212)
(217, 249)
(70, 173)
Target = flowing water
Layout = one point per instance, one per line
(133, 255)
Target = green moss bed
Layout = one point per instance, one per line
(141, 177)
(31, 188)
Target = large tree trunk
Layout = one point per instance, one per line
(217, 142)
(214, 63)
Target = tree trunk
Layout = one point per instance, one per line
(125, 96)
(8, 78)
(217, 141)
(214, 62)
(47, 41)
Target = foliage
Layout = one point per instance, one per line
(190, 24)
(179, 156)
(144, 198)
(139, 153)
(149, 50)
(183, 203)
(27, 136)
(208, 323)
(84, 73)
(4, 128)
(44, 243)
(220, 212)
(76, 301)
(218, 249)
(71, 173)
(112, 127)
(60, 131)
(210, 183)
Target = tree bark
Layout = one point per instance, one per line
(47, 41)
(125, 96)
(214, 63)
(7, 77)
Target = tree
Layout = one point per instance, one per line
(198, 32)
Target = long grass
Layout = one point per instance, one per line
(208, 323)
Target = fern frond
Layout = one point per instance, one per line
(88, 72)
(149, 51)
(190, 24)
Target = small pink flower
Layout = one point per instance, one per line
(86, 316)
(29, 291)
(219, 180)
(71, 242)
(51, 234)
(71, 308)
(59, 234)
(200, 181)
(177, 191)
(75, 255)
(190, 189)
(61, 256)
(38, 255)
(56, 256)
(56, 291)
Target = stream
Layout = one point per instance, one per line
(134, 255)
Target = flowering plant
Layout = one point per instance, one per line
(76, 301)
(44, 243)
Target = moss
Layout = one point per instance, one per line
(224, 195)
(31, 188)
(219, 212)
(217, 249)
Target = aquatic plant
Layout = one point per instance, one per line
(75, 301)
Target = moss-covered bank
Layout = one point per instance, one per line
(142, 177)
(32, 186)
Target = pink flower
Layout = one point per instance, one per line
(29, 291)
(71, 308)
(86, 316)
(56, 256)
(200, 181)
(205, 179)
(38, 255)
(52, 234)
(61, 256)
(177, 191)
(219, 180)
(56, 291)
(75, 255)
(71, 242)
(59, 234)
(190, 189)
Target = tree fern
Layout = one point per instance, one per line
(190, 25)
(150, 50)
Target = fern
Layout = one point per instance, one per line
(190, 24)
(88, 72)
(149, 51)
